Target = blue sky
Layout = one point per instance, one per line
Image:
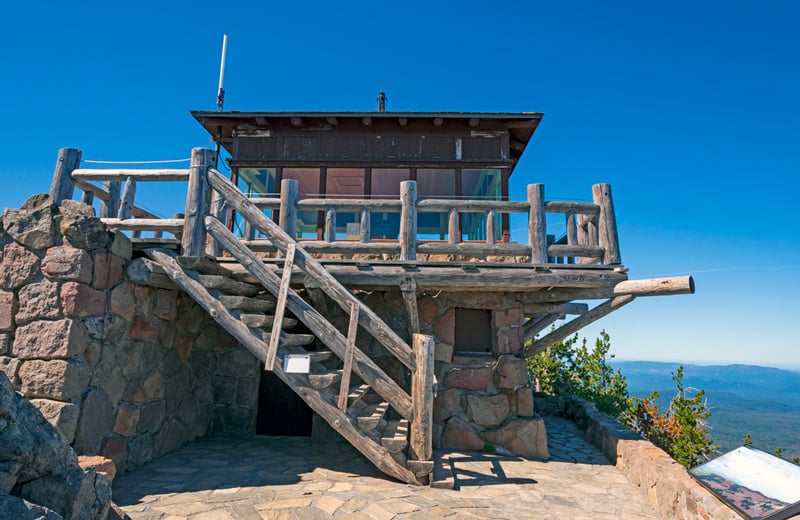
(689, 109)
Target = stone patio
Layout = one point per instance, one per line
(294, 477)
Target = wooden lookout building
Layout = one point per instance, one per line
(360, 263)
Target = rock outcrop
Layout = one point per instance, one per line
(39, 473)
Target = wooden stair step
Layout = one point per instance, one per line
(287, 340)
(357, 393)
(395, 436)
(322, 380)
(245, 304)
(228, 286)
(318, 356)
(371, 417)
(258, 321)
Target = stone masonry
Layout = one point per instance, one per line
(483, 401)
(125, 371)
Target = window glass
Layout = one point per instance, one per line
(440, 184)
(385, 184)
(257, 182)
(345, 183)
(479, 185)
(308, 187)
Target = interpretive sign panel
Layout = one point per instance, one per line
(757, 484)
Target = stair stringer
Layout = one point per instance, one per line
(317, 400)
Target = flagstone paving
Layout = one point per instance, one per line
(297, 478)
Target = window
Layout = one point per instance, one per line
(345, 183)
(434, 183)
(479, 185)
(308, 180)
(385, 184)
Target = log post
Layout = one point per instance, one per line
(408, 288)
(330, 225)
(421, 442)
(364, 231)
(220, 212)
(607, 225)
(198, 202)
(490, 216)
(352, 332)
(537, 226)
(288, 211)
(87, 197)
(408, 220)
(126, 203)
(62, 186)
(110, 208)
(453, 233)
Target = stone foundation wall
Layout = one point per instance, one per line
(125, 371)
(667, 484)
(483, 401)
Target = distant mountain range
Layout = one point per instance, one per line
(761, 401)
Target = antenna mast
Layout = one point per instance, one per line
(221, 91)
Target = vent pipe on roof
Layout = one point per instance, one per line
(381, 101)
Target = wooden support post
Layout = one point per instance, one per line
(409, 289)
(421, 442)
(607, 225)
(288, 211)
(62, 185)
(408, 220)
(198, 203)
(453, 231)
(330, 225)
(352, 331)
(537, 225)
(126, 202)
(220, 212)
(110, 208)
(280, 307)
(572, 228)
(578, 323)
(364, 231)
(490, 216)
(87, 197)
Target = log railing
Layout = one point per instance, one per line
(590, 237)
(591, 234)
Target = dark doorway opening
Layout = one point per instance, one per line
(280, 410)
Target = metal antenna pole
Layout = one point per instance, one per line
(221, 91)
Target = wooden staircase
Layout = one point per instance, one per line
(376, 415)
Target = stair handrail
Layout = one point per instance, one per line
(370, 321)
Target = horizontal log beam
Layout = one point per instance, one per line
(656, 286)
(469, 206)
(171, 225)
(140, 175)
(581, 208)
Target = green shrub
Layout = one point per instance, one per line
(570, 368)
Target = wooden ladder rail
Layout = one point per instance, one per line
(318, 401)
(367, 317)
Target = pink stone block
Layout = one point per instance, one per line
(468, 378)
(68, 263)
(80, 300)
(107, 271)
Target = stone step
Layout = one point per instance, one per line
(228, 286)
(260, 321)
(325, 379)
(395, 435)
(245, 304)
(371, 416)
